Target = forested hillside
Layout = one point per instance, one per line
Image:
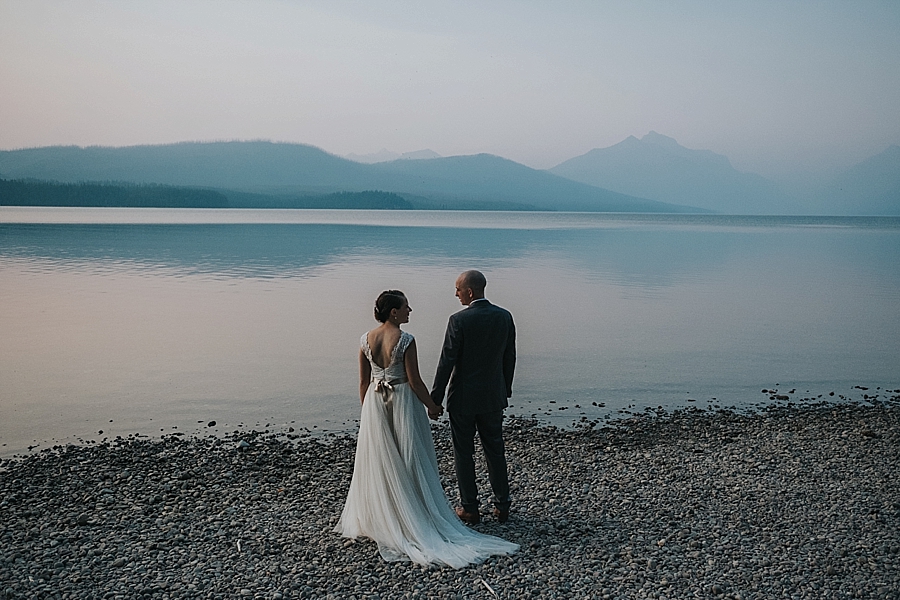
(48, 193)
(45, 193)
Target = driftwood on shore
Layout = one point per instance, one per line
(798, 502)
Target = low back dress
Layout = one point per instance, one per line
(395, 496)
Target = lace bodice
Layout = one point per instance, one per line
(396, 369)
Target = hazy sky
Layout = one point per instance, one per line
(776, 86)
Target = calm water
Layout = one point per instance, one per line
(150, 321)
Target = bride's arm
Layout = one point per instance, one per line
(411, 362)
(365, 376)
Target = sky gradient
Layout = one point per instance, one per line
(778, 87)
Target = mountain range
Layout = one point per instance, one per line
(651, 174)
(252, 173)
(657, 167)
(871, 187)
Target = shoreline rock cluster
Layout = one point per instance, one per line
(798, 501)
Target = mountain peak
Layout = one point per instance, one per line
(385, 155)
(382, 155)
(658, 167)
(425, 154)
(658, 139)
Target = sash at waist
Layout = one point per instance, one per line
(386, 387)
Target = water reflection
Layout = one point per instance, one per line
(649, 257)
(288, 251)
(259, 322)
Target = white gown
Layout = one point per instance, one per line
(395, 497)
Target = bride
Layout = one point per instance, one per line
(395, 496)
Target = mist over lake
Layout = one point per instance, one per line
(154, 321)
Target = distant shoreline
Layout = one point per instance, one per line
(545, 218)
(51, 194)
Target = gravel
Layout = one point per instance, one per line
(796, 501)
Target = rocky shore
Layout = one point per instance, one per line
(799, 502)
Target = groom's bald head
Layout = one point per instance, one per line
(474, 279)
(470, 286)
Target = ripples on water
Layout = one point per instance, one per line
(244, 316)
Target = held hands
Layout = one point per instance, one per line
(435, 411)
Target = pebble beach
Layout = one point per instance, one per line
(796, 501)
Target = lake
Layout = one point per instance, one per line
(152, 321)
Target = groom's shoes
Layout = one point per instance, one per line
(501, 515)
(467, 517)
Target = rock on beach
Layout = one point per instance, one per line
(800, 502)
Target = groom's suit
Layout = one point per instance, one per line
(477, 361)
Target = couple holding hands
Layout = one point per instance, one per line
(395, 496)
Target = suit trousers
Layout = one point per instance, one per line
(490, 431)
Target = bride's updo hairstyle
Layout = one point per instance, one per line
(388, 301)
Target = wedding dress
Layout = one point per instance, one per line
(395, 496)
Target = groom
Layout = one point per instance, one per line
(477, 360)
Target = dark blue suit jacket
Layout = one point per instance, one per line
(477, 361)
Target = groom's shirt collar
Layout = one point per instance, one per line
(472, 303)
